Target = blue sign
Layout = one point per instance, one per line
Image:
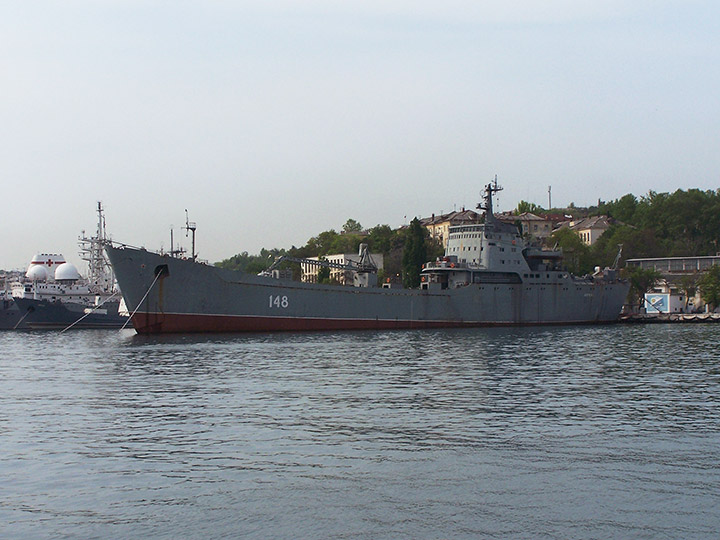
(657, 303)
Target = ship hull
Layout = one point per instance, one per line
(44, 314)
(10, 316)
(174, 295)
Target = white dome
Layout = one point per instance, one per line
(66, 272)
(37, 272)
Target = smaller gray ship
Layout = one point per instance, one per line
(9, 312)
(489, 276)
(63, 314)
(53, 294)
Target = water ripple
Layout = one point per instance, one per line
(587, 432)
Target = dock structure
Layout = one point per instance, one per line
(650, 318)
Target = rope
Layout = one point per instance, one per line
(90, 312)
(157, 276)
(22, 319)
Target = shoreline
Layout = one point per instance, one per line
(645, 318)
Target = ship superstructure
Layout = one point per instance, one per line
(494, 252)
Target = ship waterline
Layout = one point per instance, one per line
(182, 322)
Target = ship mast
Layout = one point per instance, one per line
(487, 205)
(100, 274)
(175, 252)
(190, 227)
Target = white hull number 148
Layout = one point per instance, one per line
(278, 301)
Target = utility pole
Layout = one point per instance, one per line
(549, 197)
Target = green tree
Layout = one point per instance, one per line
(323, 242)
(433, 248)
(576, 254)
(345, 243)
(641, 281)
(688, 285)
(414, 254)
(524, 206)
(381, 238)
(257, 265)
(352, 226)
(636, 243)
(709, 286)
(625, 210)
(251, 264)
(323, 273)
(683, 223)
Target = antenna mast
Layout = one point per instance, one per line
(491, 188)
(190, 226)
(100, 273)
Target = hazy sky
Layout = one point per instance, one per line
(273, 121)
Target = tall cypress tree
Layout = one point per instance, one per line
(414, 254)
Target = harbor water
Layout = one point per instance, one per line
(546, 432)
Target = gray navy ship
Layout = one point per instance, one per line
(489, 277)
(53, 294)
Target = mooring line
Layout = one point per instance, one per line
(91, 311)
(157, 276)
(22, 319)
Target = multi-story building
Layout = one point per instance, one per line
(531, 225)
(439, 226)
(590, 229)
(338, 275)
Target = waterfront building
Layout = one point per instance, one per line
(670, 294)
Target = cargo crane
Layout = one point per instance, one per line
(365, 270)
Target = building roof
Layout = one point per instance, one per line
(509, 217)
(677, 265)
(454, 218)
(594, 222)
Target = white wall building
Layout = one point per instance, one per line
(337, 275)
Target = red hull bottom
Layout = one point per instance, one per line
(162, 323)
